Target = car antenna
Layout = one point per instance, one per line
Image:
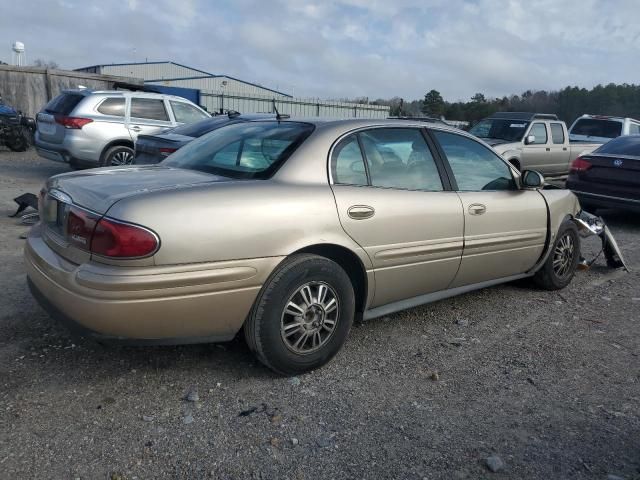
(279, 116)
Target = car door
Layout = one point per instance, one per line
(392, 200)
(560, 153)
(535, 155)
(504, 227)
(146, 115)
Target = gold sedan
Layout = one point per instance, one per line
(290, 229)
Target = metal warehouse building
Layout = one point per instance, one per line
(222, 92)
(173, 74)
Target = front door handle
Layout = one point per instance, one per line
(477, 209)
(136, 128)
(361, 212)
(548, 149)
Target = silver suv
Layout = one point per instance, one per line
(88, 128)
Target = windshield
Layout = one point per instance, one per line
(242, 150)
(499, 129)
(592, 127)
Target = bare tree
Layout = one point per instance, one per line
(39, 62)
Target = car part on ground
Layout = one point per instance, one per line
(87, 128)
(589, 224)
(370, 216)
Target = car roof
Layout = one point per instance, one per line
(88, 91)
(608, 117)
(528, 116)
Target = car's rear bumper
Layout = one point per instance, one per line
(161, 305)
(607, 201)
(72, 149)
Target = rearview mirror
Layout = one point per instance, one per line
(532, 179)
(530, 139)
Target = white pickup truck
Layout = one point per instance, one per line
(532, 141)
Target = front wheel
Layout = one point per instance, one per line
(302, 316)
(557, 272)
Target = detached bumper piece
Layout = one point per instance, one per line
(588, 225)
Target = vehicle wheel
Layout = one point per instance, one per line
(515, 163)
(302, 316)
(18, 142)
(561, 265)
(118, 155)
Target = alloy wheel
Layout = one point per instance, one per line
(309, 318)
(123, 157)
(563, 255)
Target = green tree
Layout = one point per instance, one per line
(433, 103)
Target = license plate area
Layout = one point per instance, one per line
(56, 212)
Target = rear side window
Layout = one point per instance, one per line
(540, 132)
(112, 106)
(557, 133)
(185, 113)
(593, 127)
(634, 129)
(474, 166)
(63, 104)
(628, 145)
(149, 108)
(348, 164)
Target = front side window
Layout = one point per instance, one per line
(400, 158)
(557, 133)
(242, 150)
(539, 130)
(112, 106)
(474, 166)
(185, 113)
(347, 163)
(149, 108)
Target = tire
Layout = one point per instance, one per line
(118, 155)
(18, 142)
(557, 272)
(275, 325)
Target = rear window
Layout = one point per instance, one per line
(242, 150)
(112, 106)
(592, 127)
(149, 108)
(629, 145)
(63, 104)
(198, 129)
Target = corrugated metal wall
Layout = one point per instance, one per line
(298, 107)
(150, 71)
(217, 84)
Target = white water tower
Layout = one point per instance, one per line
(19, 57)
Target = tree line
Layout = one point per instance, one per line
(568, 103)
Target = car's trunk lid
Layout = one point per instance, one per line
(613, 174)
(98, 189)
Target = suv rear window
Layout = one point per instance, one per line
(593, 127)
(150, 108)
(63, 104)
(112, 106)
(242, 150)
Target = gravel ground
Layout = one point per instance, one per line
(547, 382)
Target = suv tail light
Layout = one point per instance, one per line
(165, 151)
(580, 164)
(108, 237)
(72, 122)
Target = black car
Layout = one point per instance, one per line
(608, 177)
(151, 149)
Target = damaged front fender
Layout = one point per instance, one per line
(588, 225)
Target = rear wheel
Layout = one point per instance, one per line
(118, 155)
(302, 316)
(558, 270)
(18, 141)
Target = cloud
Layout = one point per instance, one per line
(346, 48)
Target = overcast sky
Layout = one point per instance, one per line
(347, 48)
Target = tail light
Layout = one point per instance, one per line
(580, 164)
(165, 152)
(108, 237)
(72, 122)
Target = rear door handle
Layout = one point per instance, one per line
(136, 128)
(564, 149)
(361, 212)
(477, 209)
(548, 149)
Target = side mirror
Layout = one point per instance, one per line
(530, 139)
(532, 179)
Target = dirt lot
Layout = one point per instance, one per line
(549, 382)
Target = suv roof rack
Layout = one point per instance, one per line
(524, 116)
(418, 119)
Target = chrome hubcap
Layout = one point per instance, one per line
(309, 318)
(563, 255)
(122, 158)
